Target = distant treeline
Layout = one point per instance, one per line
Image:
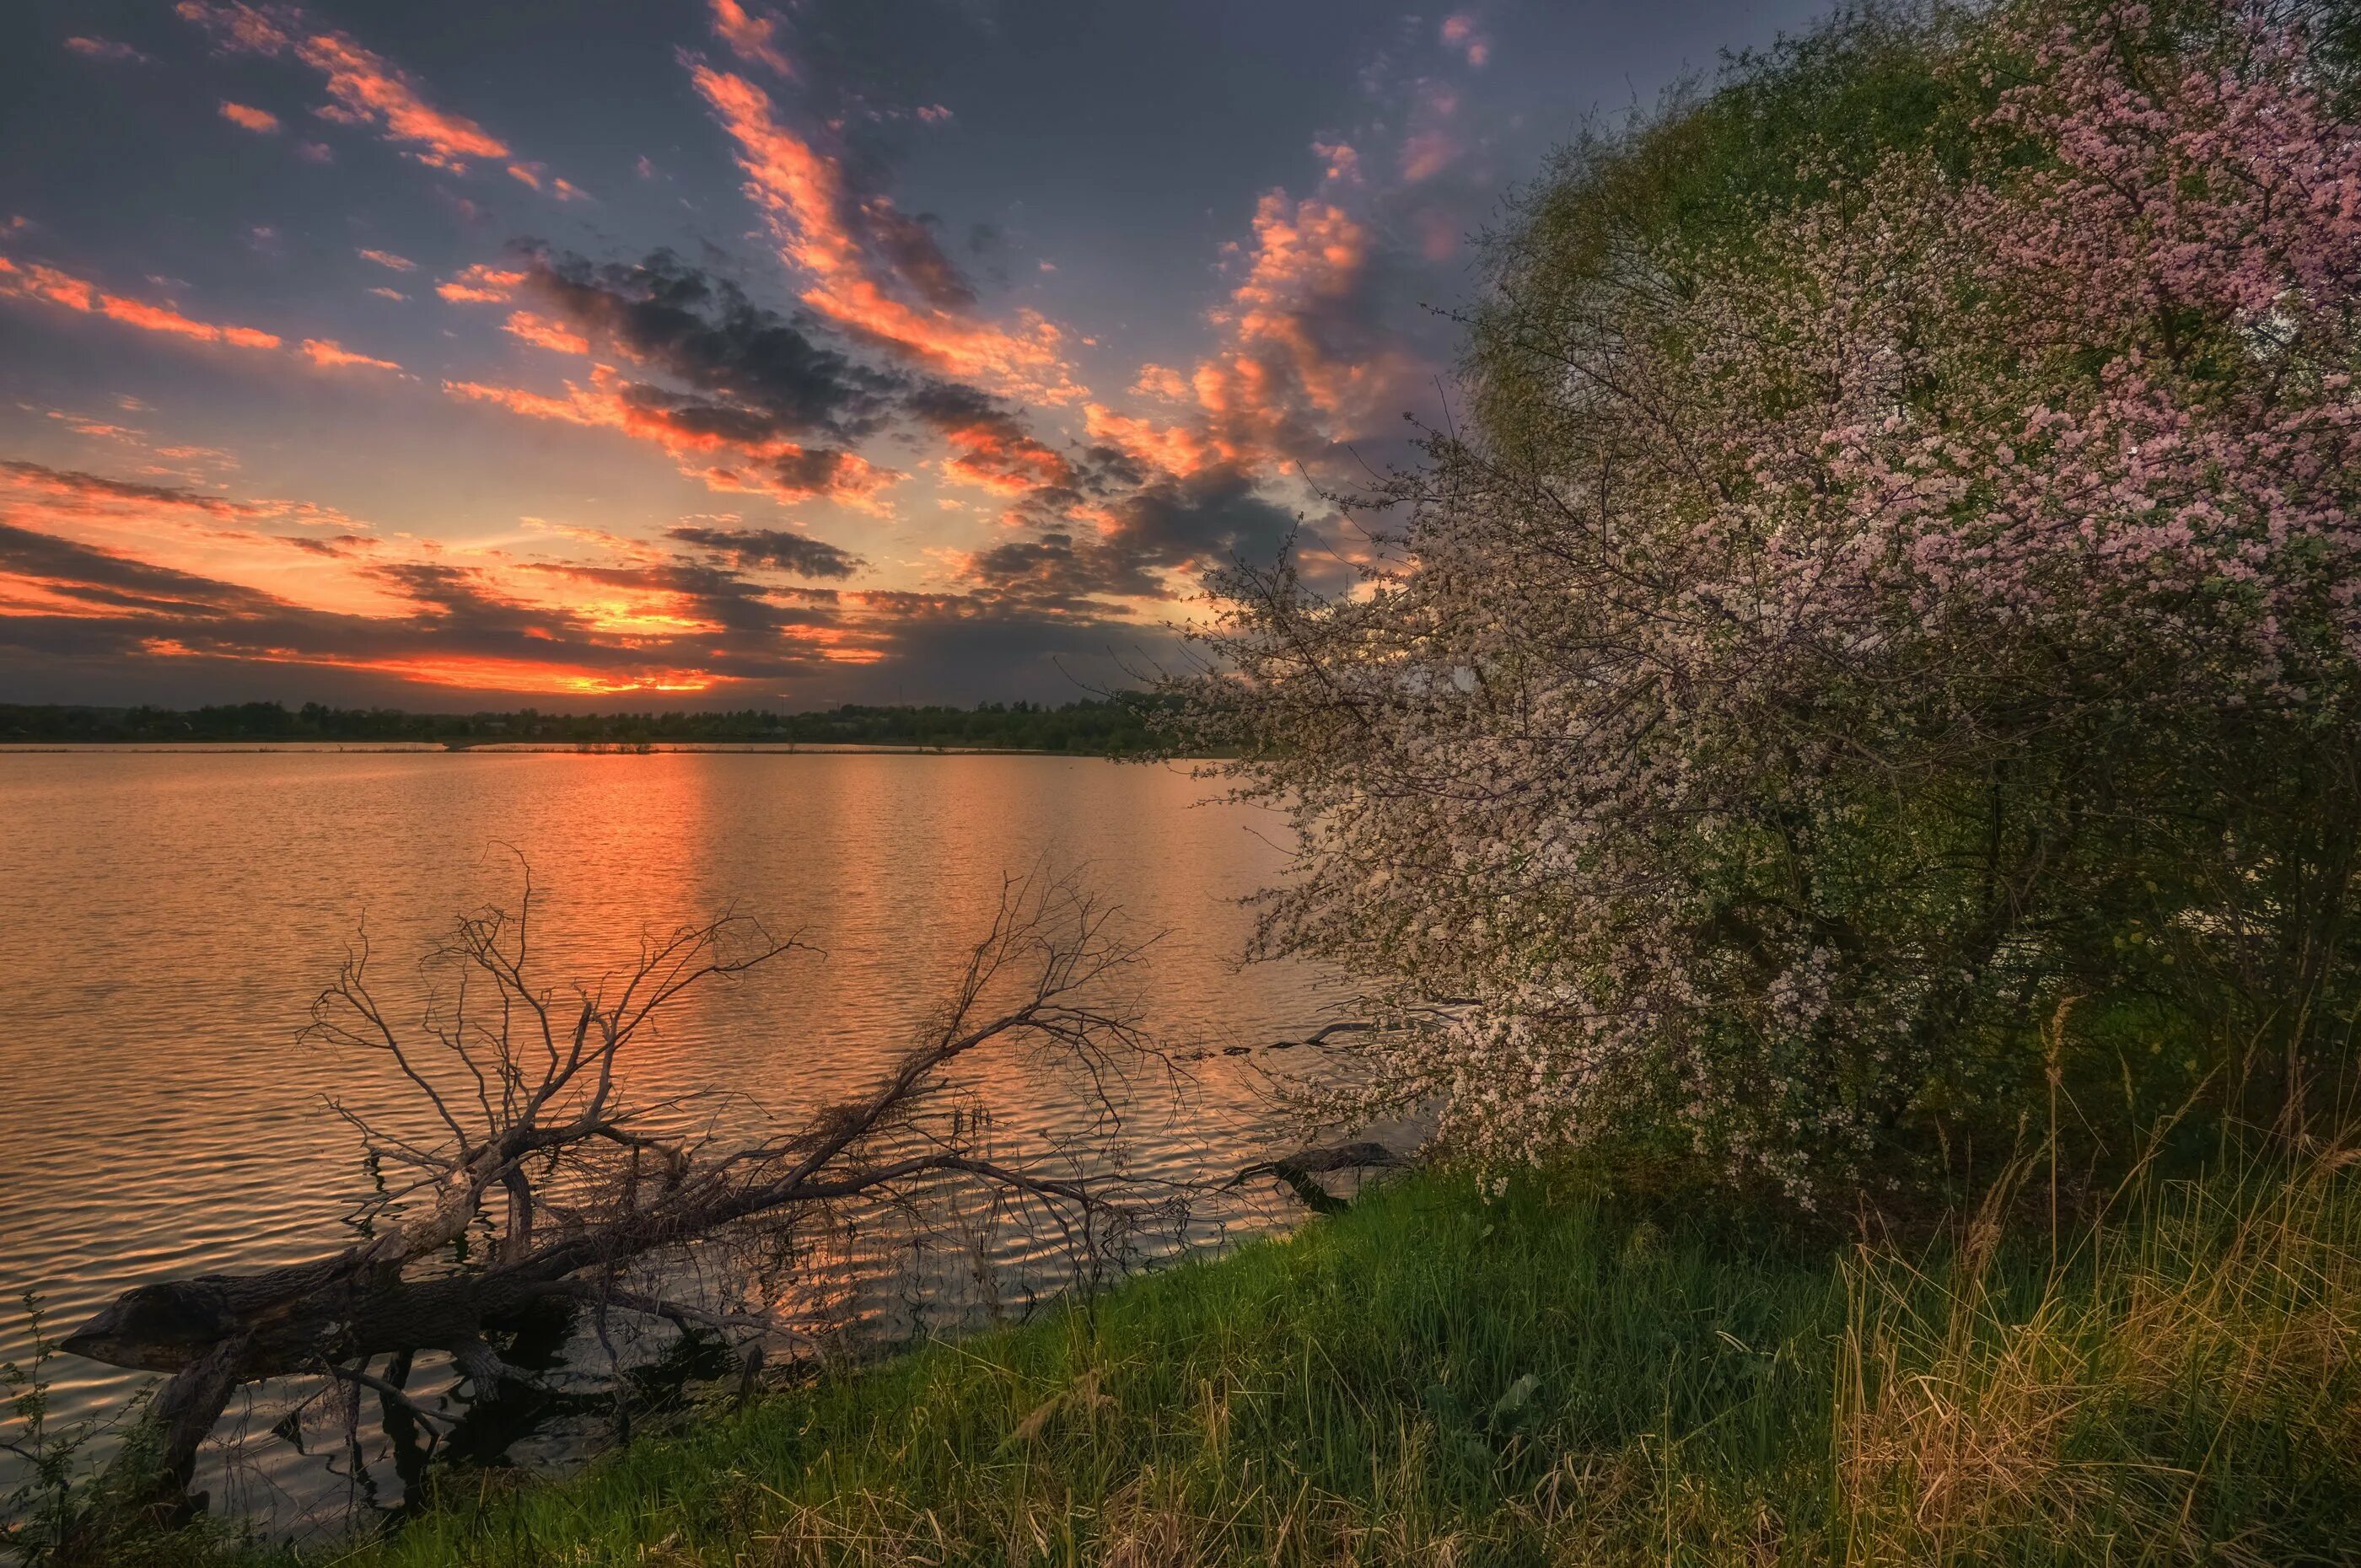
(1096, 728)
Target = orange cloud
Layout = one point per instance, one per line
(481, 285)
(1295, 368)
(389, 260)
(519, 676)
(70, 491)
(1306, 256)
(32, 281)
(1175, 448)
(260, 121)
(367, 90)
(824, 230)
(330, 354)
(1003, 460)
(173, 572)
(1159, 381)
(563, 189)
(1344, 164)
(542, 333)
(1433, 146)
(297, 548)
(574, 409)
(751, 35)
(238, 27)
(370, 91)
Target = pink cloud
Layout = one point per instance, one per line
(1461, 33)
(245, 116)
(1433, 145)
(107, 49)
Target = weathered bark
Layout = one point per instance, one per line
(1297, 1170)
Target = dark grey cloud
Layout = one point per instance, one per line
(772, 547)
(64, 482)
(909, 245)
(756, 637)
(762, 372)
(1170, 523)
(117, 582)
(954, 405)
(757, 376)
(125, 608)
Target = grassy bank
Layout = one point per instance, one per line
(1435, 1379)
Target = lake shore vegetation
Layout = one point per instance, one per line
(1541, 1373)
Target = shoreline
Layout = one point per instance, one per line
(1538, 1374)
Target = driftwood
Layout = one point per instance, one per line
(1349, 1027)
(522, 1128)
(1298, 1169)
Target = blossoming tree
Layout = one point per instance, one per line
(1866, 634)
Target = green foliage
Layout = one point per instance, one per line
(35, 1513)
(1778, 125)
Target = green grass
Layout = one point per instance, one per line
(1436, 1378)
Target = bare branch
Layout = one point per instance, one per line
(574, 1184)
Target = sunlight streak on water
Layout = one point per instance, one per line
(165, 920)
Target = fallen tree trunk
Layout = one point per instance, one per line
(1298, 1169)
(538, 1143)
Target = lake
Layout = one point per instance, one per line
(165, 918)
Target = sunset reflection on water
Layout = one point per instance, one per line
(169, 917)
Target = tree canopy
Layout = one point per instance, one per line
(1881, 654)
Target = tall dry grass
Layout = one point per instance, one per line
(2177, 1387)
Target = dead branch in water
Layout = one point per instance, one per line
(529, 1134)
(1298, 1169)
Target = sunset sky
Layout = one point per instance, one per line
(664, 352)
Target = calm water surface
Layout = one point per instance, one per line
(165, 919)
